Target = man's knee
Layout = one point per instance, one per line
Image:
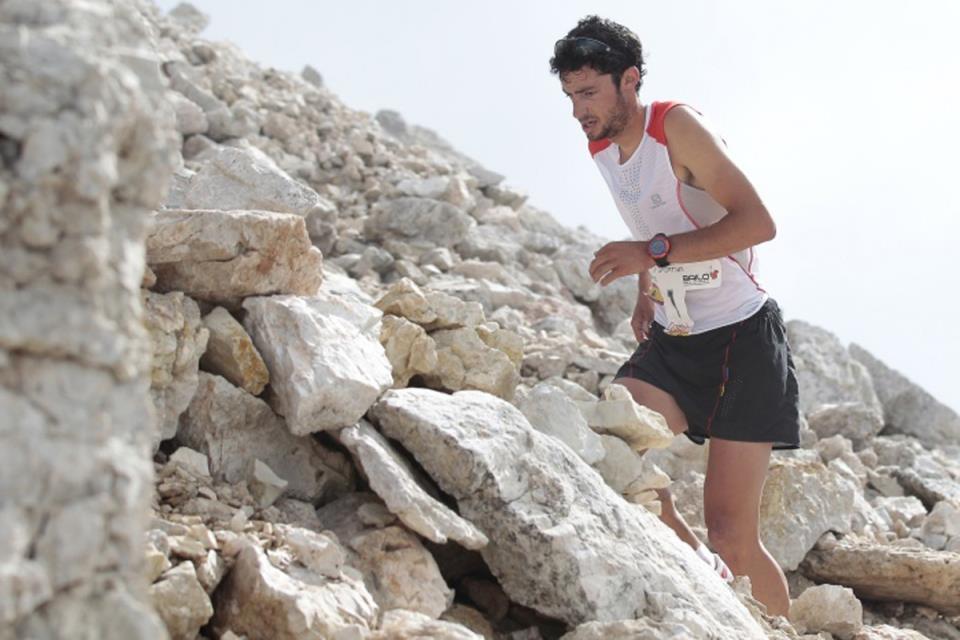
(728, 534)
(658, 400)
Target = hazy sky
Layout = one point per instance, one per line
(843, 115)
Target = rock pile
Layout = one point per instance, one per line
(382, 389)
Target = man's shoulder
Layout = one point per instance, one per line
(658, 117)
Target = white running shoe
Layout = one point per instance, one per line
(715, 562)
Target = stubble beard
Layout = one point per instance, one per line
(619, 118)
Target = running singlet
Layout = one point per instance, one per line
(692, 297)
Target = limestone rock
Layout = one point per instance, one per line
(888, 632)
(224, 256)
(906, 407)
(825, 371)
(620, 464)
(830, 608)
(801, 501)
(930, 488)
(189, 17)
(231, 353)
(550, 411)
(888, 572)
(618, 414)
(318, 552)
(399, 623)
(259, 600)
(429, 309)
(571, 264)
(312, 76)
(265, 486)
(853, 420)
(464, 361)
(196, 462)
(233, 178)
(391, 477)
(471, 619)
(561, 541)
(503, 340)
(635, 630)
(181, 602)
(326, 363)
(438, 223)
(190, 118)
(233, 428)
(179, 340)
(400, 572)
(907, 509)
(944, 519)
(408, 347)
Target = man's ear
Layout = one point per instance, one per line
(629, 78)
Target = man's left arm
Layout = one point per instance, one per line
(710, 168)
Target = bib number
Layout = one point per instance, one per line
(670, 287)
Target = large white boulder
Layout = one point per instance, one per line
(179, 340)
(246, 178)
(234, 429)
(826, 373)
(551, 411)
(562, 541)
(224, 256)
(326, 363)
(392, 478)
(906, 407)
(259, 600)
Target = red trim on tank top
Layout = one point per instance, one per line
(657, 117)
(596, 146)
(697, 226)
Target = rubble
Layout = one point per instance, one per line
(380, 378)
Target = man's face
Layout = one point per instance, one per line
(598, 104)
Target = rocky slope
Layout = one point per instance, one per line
(380, 384)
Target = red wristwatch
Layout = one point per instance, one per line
(659, 248)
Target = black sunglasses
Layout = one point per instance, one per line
(582, 46)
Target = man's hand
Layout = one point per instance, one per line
(617, 259)
(642, 317)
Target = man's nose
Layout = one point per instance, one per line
(578, 110)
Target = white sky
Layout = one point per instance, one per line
(843, 115)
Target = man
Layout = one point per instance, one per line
(713, 357)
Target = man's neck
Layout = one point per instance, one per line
(632, 135)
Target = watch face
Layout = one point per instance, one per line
(657, 247)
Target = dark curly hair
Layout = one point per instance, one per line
(626, 50)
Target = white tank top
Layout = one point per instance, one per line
(695, 297)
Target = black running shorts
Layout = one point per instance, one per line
(735, 382)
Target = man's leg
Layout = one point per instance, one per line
(663, 403)
(731, 506)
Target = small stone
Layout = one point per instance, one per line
(193, 461)
(232, 354)
(829, 608)
(265, 486)
(181, 602)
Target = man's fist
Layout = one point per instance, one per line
(617, 259)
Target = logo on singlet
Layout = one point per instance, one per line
(656, 200)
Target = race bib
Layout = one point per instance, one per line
(670, 286)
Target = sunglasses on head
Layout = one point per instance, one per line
(582, 46)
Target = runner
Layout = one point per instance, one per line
(712, 355)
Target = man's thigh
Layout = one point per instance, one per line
(657, 399)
